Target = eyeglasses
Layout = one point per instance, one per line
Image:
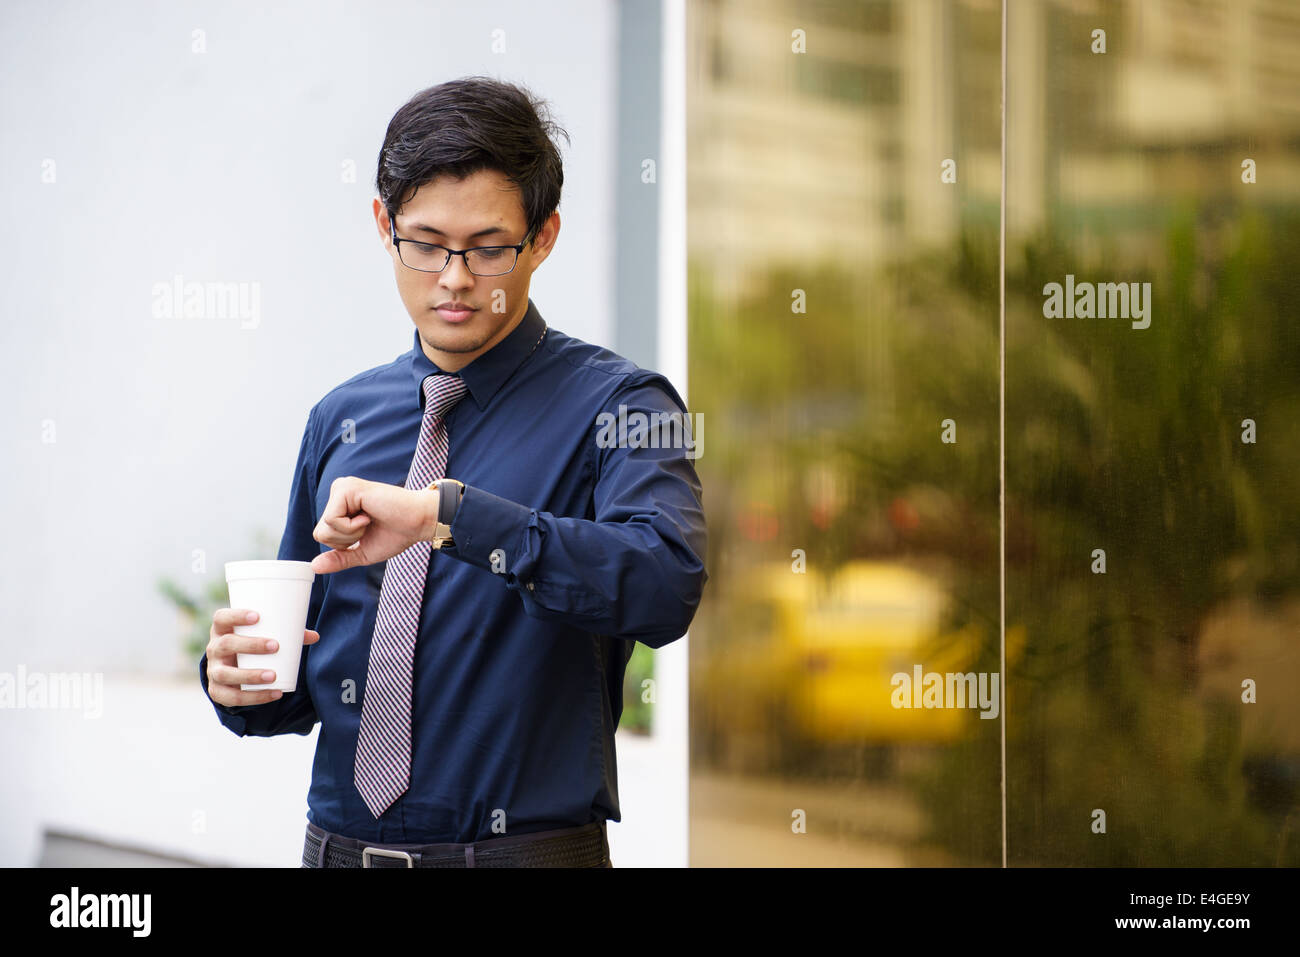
(481, 260)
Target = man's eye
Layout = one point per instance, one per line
(492, 252)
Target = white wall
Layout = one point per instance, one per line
(180, 434)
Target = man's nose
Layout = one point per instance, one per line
(456, 274)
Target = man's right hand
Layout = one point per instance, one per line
(224, 675)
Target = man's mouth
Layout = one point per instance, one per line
(455, 313)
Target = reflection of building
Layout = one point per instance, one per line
(1112, 136)
(834, 153)
(1210, 70)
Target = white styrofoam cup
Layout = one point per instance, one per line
(280, 593)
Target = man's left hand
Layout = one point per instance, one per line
(367, 522)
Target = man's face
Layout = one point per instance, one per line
(483, 209)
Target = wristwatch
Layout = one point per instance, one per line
(447, 505)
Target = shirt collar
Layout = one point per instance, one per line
(486, 374)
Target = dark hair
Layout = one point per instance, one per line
(470, 124)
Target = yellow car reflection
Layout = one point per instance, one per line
(811, 660)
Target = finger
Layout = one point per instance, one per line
(347, 530)
(229, 644)
(234, 677)
(338, 532)
(343, 498)
(346, 524)
(235, 698)
(325, 535)
(225, 619)
(311, 637)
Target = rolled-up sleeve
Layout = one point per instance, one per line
(293, 712)
(635, 570)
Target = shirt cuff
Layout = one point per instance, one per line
(488, 532)
(230, 717)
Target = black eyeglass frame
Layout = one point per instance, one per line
(517, 247)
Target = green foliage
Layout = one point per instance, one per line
(197, 610)
(638, 714)
(209, 593)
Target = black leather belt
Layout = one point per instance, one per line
(586, 846)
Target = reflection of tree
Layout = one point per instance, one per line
(1130, 442)
(1117, 438)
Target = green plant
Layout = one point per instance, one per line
(637, 714)
(208, 594)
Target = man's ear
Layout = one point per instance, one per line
(381, 222)
(545, 239)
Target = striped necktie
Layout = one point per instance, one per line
(382, 771)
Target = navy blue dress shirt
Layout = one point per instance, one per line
(568, 549)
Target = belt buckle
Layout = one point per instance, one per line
(368, 852)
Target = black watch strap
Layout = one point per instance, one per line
(448, 503)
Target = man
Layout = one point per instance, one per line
(488, 548)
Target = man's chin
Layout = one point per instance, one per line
(452, 341)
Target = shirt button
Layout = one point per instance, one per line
(530, 586)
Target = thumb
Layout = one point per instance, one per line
(335, 560)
